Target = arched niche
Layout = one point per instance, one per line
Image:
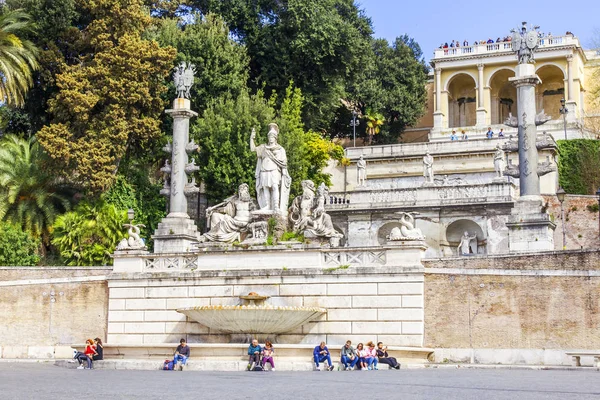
(552, 89)
(456, 229)
(462, 101)
(503, 95)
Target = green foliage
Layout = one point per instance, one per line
(221, 63)
(30, 195)
(579, 166)
(288, 236)
(89, 234)
(223, 134)
(393, 83)
(137, 192)
(593, 208)
(317, 43)
(17, 248)
(111, 100)
(17, 57)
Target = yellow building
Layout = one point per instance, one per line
(470, 90)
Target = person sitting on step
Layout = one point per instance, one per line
(384, 357)
(321, 354)
(181, 355)
(349, 356)
(254, 352)
(267, 354)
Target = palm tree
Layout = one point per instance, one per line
(30, 196)
(18, 57)
(375, 121)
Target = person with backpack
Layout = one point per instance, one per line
(181, 355)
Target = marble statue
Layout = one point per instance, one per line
(229, 218)
(428, 168)
(308, 215)
(134, 241)
(183, 78)
(464, 247)
(301, 210)
(407, 229)
(272, 178)
(524, 43)
(361, 166)
(499, 163)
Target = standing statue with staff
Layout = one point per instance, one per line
(272, 178)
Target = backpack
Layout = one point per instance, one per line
(258, 367)
(168, 365)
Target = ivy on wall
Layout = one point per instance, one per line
(579, 166)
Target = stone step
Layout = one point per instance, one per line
(201, 365)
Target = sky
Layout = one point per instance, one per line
(434, 22)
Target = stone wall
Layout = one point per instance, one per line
(581, 224)
(363, 303)
(534, 301)
(45, 309)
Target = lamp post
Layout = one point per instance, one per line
(598, 195)
(354, 123)
(564, 111)
(130, 215)
(561, 194)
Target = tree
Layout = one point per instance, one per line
(319, 44)
(31, 197)
(393, 84)
(17, 248)
(221, 63)
(89, 234)
(223, 134)
(17, 57)
(375, 121)
(111, 101)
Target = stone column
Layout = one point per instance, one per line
(481, 110)
(177, 232)
(438, 115)
(530, 228)
(571, 102)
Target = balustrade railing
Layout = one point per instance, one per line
(547, 41)
(425, 196)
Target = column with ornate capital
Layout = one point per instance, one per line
(530, 227)
(481, 112)
(438, 114)
(177, 232)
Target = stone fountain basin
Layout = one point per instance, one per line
(252, 319)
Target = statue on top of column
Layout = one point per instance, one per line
(525, 42)
(183, 78)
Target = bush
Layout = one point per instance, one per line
(89, 234)
(17, 248)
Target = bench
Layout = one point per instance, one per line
(576, 357)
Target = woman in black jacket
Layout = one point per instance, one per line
(384, 358)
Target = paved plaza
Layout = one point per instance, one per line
(44, 381)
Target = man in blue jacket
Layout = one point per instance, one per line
(321, 354)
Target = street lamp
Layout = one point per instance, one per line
(598, 195)
(564, 111)
(561, 194)
(354, 123)
(130, 215)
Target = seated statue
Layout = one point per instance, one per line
(308, 215)
(230, 218)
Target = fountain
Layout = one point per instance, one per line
(254, 317)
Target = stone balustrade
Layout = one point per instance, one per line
(487, 48)
(425, 196)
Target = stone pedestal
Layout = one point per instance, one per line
(530, 229)
(481, 118)
(175, 233)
